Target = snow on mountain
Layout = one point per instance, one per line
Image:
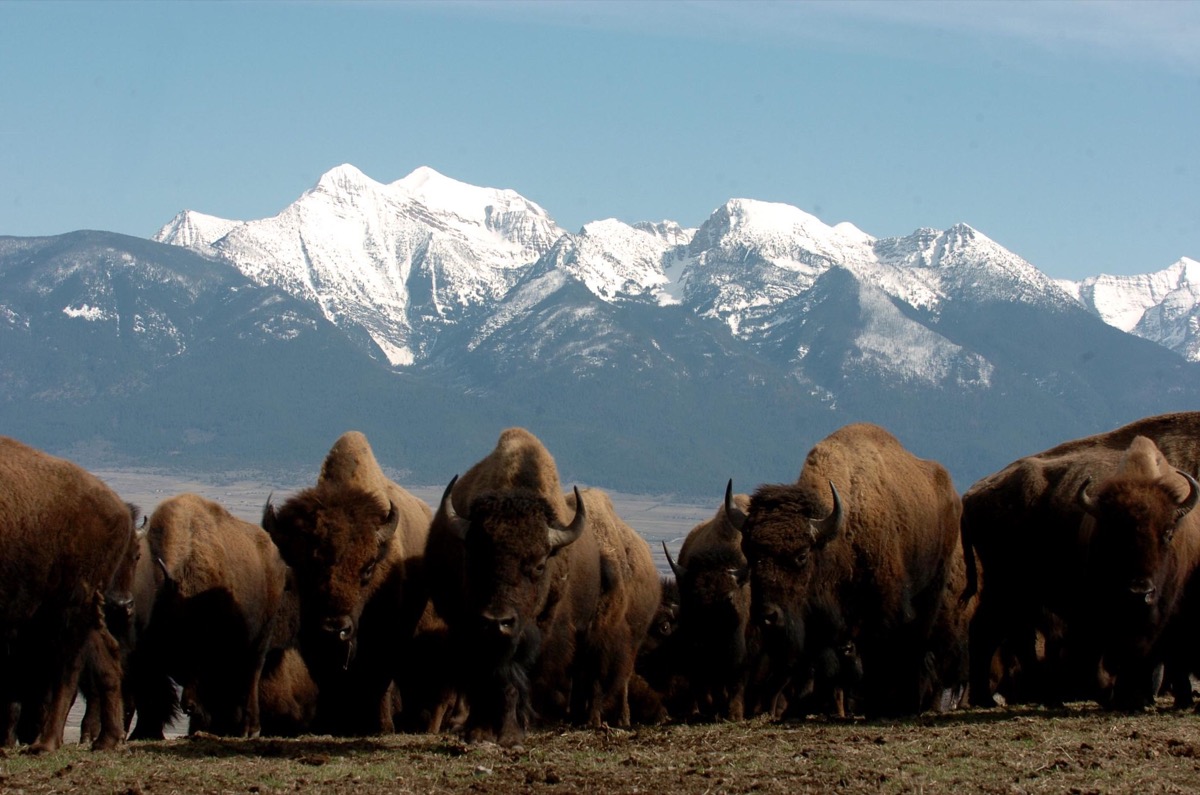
(397, 261)
(1162, 306)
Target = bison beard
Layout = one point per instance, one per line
(499, 689)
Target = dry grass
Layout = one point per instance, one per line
(1076, 749)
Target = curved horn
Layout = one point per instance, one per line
(560, 537)
(1084, 499)
(680, 571)
(733, 514)
(268, 517)
(387, 528)
(824, 530)
(1189, 502)
(458, 526)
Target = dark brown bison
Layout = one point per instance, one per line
(64, 535)
(213, 618)
(714, 612)
(356, 542)
(1025, 526)
(848, 569)
(1144, 545)
(127, 609)
(547, 596)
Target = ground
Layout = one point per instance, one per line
(1077, 749)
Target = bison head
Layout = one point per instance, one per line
(714, 600)
(1135, 520)
(335, 540)
(511, 543)
(783, 534)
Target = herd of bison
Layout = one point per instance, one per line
(868, 586)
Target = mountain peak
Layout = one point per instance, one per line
(345, 177)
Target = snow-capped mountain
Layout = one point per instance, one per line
(398, 261)
(1163, 306)
(430, 313)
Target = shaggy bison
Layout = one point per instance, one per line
(213, 619)
(64, 536)
(848, 569)
(1025, 526)
(547, 596)
(714, 612)
(356, 542)
(1144, 545)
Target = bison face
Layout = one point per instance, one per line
(1131, 542)
(784, 534)
(714, 599)
(511, 541)
(336, 540)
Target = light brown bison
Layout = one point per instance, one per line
(547, 596)
(64, 535)
(1144, 545)
(356, 542)
(213, 619)
(848, 568)
(1025, 526)
(714, 612)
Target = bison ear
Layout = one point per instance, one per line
(457, 525)
(390, 522)
(825, 530)
(560, 537)
(735, 517)
(680, 571)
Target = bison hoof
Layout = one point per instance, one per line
(105, 743)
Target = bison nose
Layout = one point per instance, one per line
(770, 615)
(500, 623)
(340, 627)
(1143, 588)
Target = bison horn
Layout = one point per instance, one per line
(1189, 502)
(824, 530)
(680, 571)
(268, 517)
(1084, 499)
(560, 537)
(733, 514)
(458, 526)
(387, 528)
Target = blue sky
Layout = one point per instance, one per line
(1068, 132)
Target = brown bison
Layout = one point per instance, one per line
(213, 620)
(1025, 526)
(848, 569)
(547, 596)
(714, 612)
(64, 536)
(356, 542)
(1144, 545)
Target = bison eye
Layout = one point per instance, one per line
(801, 560)
(537, 569)
(367, 572)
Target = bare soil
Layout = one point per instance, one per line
(1077, 749)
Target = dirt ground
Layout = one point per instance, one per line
(1078, 749)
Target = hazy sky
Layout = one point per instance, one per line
(1069, 132)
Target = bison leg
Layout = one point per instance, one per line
(62, 696)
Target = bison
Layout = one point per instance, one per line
(1144, 545)
(714, 612)
(65, 535)
(356, 542)
(213, 619)
(848, 568)
(547, 596)
(1023, 526)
